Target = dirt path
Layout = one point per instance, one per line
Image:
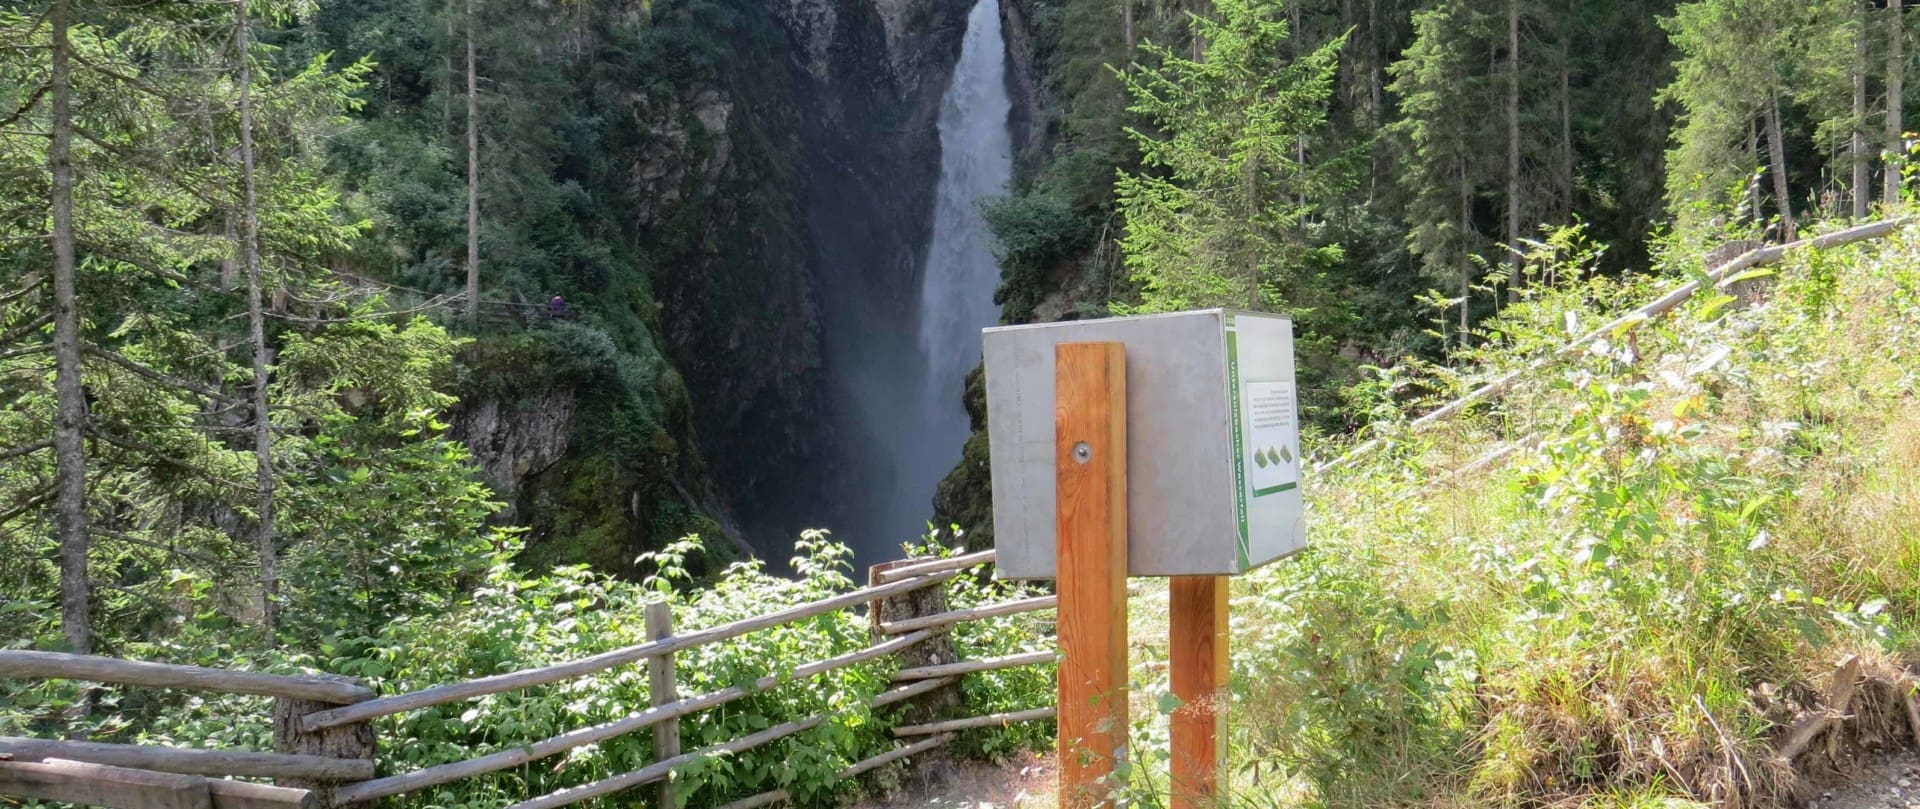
(1888, 782)
(1027, 782)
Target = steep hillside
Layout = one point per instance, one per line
(1627, 581)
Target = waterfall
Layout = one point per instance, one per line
(960, 274)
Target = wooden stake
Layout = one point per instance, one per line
(1090, 479)
(1197, 654)
(662, 690)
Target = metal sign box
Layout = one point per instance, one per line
(1213, 441)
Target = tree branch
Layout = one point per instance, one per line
(160, 456)
(34, 282)
(158, 546)
(22, 352)
(32, 101)
(156, 376)
(31, 326)
(29, 504)
(24, 449)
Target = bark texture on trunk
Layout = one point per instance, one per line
(69, 425)
(1862, 192)
(1514, 280)
(1777, 166)
(1896, 85)
(1566, 138)
(473, 177)
(1466, 253)
(263, 539)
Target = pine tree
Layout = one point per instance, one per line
(1218, 216)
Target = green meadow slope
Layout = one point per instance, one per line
(1692, 523)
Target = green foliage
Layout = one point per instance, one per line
(1737, 57)
(1223, 225)
(510, 620)
(1684, 524)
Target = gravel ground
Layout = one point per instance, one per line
(1888, 782)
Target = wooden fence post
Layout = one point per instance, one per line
(353, 741)
(662, 690)
(1090, 483)
(940, 703)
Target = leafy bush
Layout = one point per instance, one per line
(514, 621)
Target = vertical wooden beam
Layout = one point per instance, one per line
(1090, 480)
(356, 740)
(1197, 654)
(941, 703)
(661, 690)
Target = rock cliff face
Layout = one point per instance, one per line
(780, 192)
(869, 75)
(515, 440)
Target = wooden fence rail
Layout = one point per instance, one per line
(513, 681)
(26, 665)
(324, 736)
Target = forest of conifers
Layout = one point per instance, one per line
(257, 257)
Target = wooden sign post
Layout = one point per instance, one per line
(1197, 656)
(1090, 429)
(1210, 425)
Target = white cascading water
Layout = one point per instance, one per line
(956, 293)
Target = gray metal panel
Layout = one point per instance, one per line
(1180, 483)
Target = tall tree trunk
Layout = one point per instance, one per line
(263, 480)
(69, 424)
(1126, 24)
(473, 178)
(1857, 149)
(1777, 166)
(1896, 85)
(1376, 90)
(1753, 183)
(1466, 251)
(1251, 176)
(1374, 95)
(1566, 137)
(1514, 281)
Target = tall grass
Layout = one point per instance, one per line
(1702, 515)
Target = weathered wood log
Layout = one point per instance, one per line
(661, 769)
(970, 666)
(346, 742)
(187, 761)
(512, 681)
(935, 703)
(244, 795)
(92, 784)
(908, 568)
(894, 755)
(778, 795)
(516, 756)
(1023, 605)
(22, 665)
(106, 785)
(1911, 701)
(762, 799)
(906, 692)
(999, 719)
(661, 690)
(1804, 731)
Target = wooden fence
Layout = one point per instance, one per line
(1720, 273)
(325, 750)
